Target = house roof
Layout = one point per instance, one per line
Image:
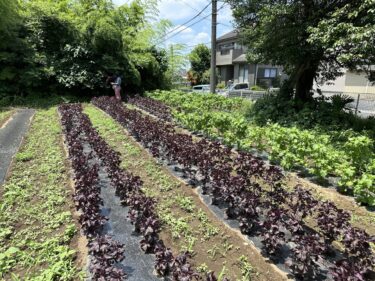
(241, 58)
(228, 35)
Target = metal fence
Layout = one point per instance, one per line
(363, 104)
(247, 94)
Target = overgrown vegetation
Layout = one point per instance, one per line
(70, 46)
(4, 115)
(199, 59)
(35, 219)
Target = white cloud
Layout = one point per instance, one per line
(202, 37)
(176, 10)
(180, 11)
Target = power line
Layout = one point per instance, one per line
(195, 9)
(165, 39)
(177, 27)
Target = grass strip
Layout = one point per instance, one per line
(36, 223)
(5, 114)
(187, 223)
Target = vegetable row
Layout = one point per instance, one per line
(104, 251)
(253, 194)
(128, 188)
(346, 155)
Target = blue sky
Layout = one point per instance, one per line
(180, 11)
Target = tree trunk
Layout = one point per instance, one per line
(303, 80)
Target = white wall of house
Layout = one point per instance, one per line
(358, 83)
(224, 59)
(350, 82)
(337, 85)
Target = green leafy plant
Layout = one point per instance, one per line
(246, 268)
(344, 154)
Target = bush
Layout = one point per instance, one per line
(221, 85)
(257, 88)
(327, 114)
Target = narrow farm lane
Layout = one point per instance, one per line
(11, 136)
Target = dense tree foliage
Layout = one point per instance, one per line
(67, 45)
(308, 37)
(199, 59)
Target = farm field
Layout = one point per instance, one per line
(130, 149)
(344, 158)
(113, 191)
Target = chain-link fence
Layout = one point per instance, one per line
(363, 103)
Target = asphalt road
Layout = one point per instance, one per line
(11, 137)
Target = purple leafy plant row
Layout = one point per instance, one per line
(142, 212)
(157, 108)
(104, 251)
(268, 210)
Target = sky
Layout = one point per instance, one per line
(180, 11)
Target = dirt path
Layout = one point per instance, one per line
(11, 136)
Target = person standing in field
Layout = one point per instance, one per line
(116, 86)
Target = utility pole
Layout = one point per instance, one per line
(213, 47)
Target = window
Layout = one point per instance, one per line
(241, 86)
(238, 46)
(225, 48)
(270, 72)
(243, 73)
(224, 52)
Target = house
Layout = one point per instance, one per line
(350, 82)
(232, 64)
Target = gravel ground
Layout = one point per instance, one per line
(10, 138)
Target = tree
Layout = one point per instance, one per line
(309, 38)
(50, 46)
(349, 36)
(200, 58)
(177, 62)
(8, 17)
